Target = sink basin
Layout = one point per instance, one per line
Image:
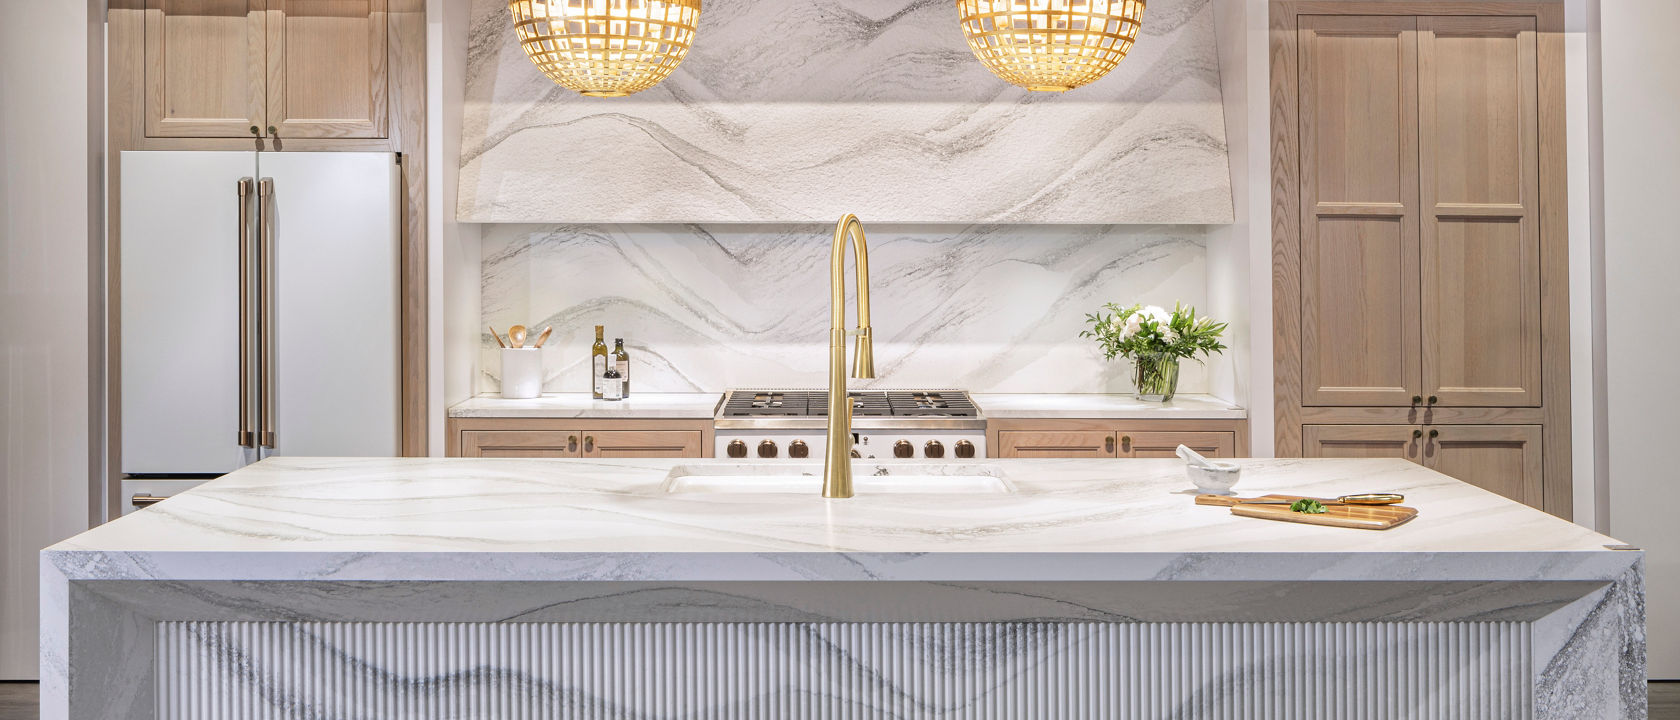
(867, 479)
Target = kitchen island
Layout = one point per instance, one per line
(351, 588)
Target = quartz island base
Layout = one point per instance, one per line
(379, 588)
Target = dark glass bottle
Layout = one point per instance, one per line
(621, 362)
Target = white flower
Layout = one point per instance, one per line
(1158, 314)
(1133, 325)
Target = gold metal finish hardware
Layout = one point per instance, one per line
(933, 449)
(1417, 434)
(798, 449)
(965, 449)
(606, 49)
(247, 433)
(1125, 443)
(589, 443)
(767, 449)
(1417, 399)
(1108, 444)
(1433, 399)
(272, 132)
(256, 131)
(265, 310)
(736, 449)
(571, 443)
(141, 500)
(1050, 47)
(837, 463)
(1434, 433)
(903, 449)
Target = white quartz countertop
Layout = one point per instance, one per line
(477, 519)
(671, 406)
(1100, 406)
(992, 405)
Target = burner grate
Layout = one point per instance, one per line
(768, 403)
(931, 403)
(865, 403)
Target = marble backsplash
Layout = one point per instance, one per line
(988, 308)
(795, 111)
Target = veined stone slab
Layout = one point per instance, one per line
(803, 110)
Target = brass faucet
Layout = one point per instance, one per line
(837, 464)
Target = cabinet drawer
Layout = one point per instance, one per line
(642, 444)
(1151, 444)
(521, 443)
(1054, 444)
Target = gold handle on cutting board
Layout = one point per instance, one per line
(141, 500)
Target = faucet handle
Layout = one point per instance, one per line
(863, 363)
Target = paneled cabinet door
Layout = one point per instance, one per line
(1165, 444)
(1363, 441)
(1070, 444)
(521, 443)
(204, 68)
(1359, 211)
(642, 444)
(1477, 121)
(326, 68)
(1504, 459)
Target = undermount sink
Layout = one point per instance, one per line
(867, 479)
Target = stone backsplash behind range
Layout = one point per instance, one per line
(988, 308)
(796, 111)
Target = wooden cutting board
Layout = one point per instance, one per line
(1364, 517)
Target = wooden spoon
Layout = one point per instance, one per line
(516, 335)
(544, 336)
(498, 337)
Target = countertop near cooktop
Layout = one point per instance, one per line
(992, 405)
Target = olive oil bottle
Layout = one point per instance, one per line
(621, 362)
(598, 361)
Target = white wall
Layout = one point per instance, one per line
(454, 247)
(1641, 91)
(51, 175)
(1240, 255)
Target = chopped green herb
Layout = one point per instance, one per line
(1308, 506)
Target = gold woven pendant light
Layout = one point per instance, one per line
(606, 48)
(1050, 45)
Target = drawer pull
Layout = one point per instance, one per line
(589, 443)
(1108, 444)
(571, 443)
(141, 500)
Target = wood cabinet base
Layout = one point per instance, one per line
(577, 438)
(1077, 438)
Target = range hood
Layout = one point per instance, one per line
(802, 111)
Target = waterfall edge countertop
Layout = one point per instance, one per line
(397, 575)
(613, 520)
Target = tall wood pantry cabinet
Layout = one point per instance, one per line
(1419, 240)
(283, 68)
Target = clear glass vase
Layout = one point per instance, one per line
(1155, 377)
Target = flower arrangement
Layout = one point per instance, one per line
(1156, 341)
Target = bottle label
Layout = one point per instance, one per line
(600, 369)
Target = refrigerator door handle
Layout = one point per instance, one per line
(247, 429)
(265, 311)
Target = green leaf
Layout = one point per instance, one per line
(1308, 506)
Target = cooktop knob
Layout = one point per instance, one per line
(965, 449)
(767, 449)
(736, 449)
(933, 449)
(903, 449)
(798, 449)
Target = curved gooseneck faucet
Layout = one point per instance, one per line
(837, 463)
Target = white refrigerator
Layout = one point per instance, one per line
(258, 310)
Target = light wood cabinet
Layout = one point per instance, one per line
(577, 438)
(1148, 444)
(1480, 187)
(1360, 335)
(1420, 238)
(641, 443)
(305, 68)
(521, 443)
(1503, 459)
(1055, 444)
(1364, 441)
(1074, 438)
(204, 67)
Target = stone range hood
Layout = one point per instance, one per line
(797, 111)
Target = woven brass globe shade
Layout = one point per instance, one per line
(1050, 45)
(605, 48)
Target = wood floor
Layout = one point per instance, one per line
(18, 701)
